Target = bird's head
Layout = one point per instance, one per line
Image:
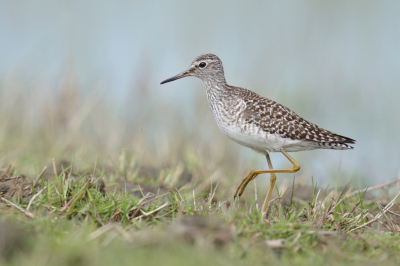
(205, 67)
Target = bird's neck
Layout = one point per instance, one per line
(216, 86)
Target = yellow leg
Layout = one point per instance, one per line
(271, 185)
(252, 174)
(241, 184)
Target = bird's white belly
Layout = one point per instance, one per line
(262, 141)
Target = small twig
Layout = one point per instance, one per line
(373, 188)
(156, 210)
(389, 211)
(147, 202)
(26, 212)
(391, 225)
(384, 210)
(153, 211)
(54, 167)
(213, 192)
(148, 195)
(34, 197)
(39, 176)
(11, 177)
(137, 210)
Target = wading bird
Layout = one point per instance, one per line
(257, 122)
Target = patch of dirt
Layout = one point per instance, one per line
(18, 186)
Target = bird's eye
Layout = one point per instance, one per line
(202, 65)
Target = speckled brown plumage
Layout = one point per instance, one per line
(275, 118)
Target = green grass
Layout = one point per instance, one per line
(75, 224)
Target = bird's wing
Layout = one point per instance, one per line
(275, 118)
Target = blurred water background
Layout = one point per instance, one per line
(89, 72)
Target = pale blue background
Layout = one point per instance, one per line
(336, 63)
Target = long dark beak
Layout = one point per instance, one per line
(179, 76)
